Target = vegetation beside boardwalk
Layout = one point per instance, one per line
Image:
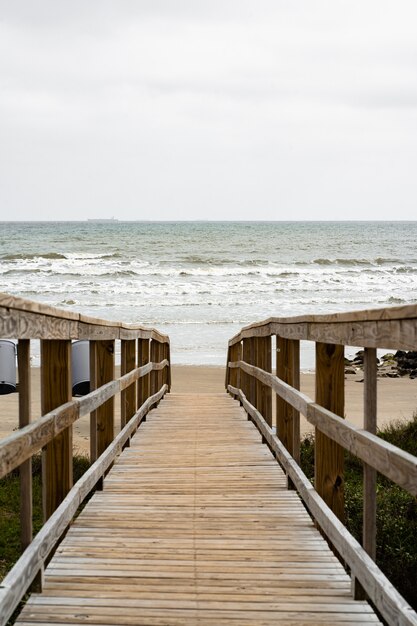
(10, 509)
(396, 513)
(396, 509)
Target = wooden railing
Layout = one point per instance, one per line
(249, 379)
(145, 378)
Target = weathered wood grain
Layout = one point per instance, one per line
(128, 395)
(199, 530)
(394, 463)
(25, 470)
(104, 371)
(22, 444)
(287, 417)
(57, 454)
(383, 594)
(328, 455)
(26, 319)
(20, 577)
(143, 386)
(369, 473)
(388, 327)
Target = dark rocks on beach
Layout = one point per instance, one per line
(390, 365)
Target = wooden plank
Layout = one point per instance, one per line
(143, 387)
(104, 372)
(57, 455)
(288, 418)
(199, 530)
(328, 455)
(20, 577)
(25, 470)
(369, 473)
(22, 444)
(389, 602)
(128, 396)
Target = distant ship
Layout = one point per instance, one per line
(103, 220)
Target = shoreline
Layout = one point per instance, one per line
(397, 399)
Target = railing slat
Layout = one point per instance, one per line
(288, 418)
(390, 603)
(57, 455)
(128, 395)
(369, 473)
(329, 455)
(20, 577)
(105, 413)
(143, 386)
(26, 503)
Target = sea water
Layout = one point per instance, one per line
(200, 282)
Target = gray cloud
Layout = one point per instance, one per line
(195, 110)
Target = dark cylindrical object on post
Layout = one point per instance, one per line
(80, 367)
(7, 366)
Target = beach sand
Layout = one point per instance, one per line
(397, 399)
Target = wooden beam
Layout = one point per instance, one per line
(104, 372)
(288, 418)
(25, 470)
(369, 473)
(143, 387)
(127, 396)
(22, 574)
(57, 455)
(382, 593)
(329, 456)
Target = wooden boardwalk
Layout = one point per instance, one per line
(195, 525)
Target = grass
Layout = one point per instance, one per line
(396, 509)
(10, 509)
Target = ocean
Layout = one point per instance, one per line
(200, 282)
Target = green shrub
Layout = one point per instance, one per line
(396, 509)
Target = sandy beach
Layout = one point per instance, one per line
(397, 399)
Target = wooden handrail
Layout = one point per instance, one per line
(249, 365)
(26, 320)
(23, 573)
(396, 464)
(379, 589)
(25, 442)
(391, 327)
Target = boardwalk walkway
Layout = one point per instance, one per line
(195, 526)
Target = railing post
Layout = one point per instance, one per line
(257, 362)
(56, 390)
(234, 354)
(252, 380)
(155, 358)
(93, 414)
(369, 473)
(143, 382)
(370, 369)
(246, 357)
(265, 362)
(329, 456)
(104, 373)
(288, 419)
(26, 505)
(169, 370)
(229, 373)
(128, 396)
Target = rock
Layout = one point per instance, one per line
(350, 370)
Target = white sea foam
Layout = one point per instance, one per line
(208, 280)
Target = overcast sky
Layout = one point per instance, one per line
(184, 109)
